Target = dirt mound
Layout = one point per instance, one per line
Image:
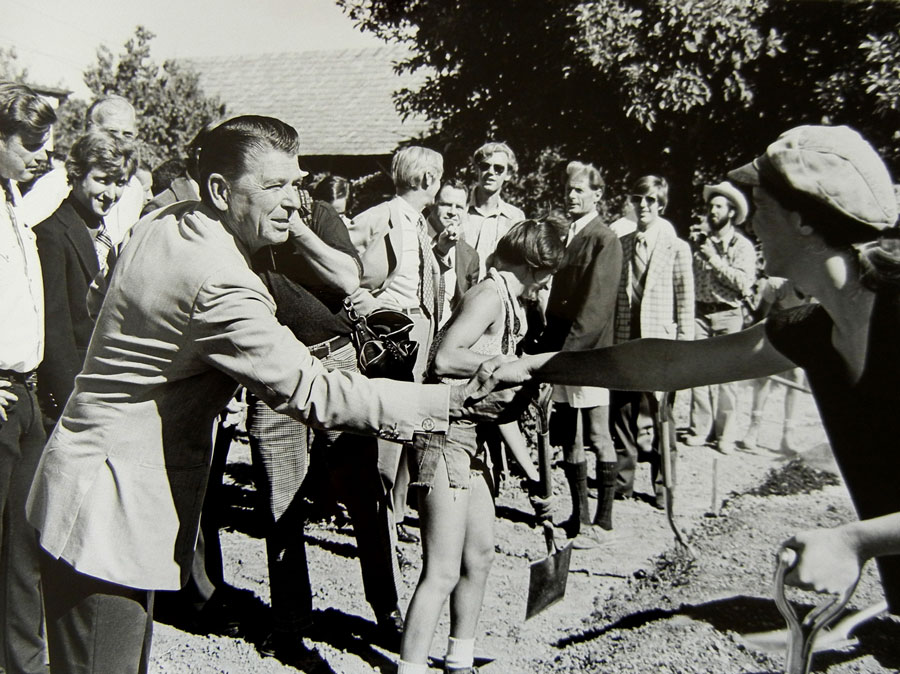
(795, 477)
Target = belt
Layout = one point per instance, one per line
(714, 307)
(329, 346)
(412, 311)
(26, 379)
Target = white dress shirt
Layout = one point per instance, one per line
(21, 293)
(404, 287)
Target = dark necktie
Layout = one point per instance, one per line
(639, 267)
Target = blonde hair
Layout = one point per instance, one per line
(410, 165)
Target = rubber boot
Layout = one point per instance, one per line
(606, 492)
(576, 475)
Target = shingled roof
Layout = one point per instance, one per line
(340, 101)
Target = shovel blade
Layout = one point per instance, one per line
(776, 641)
(547, 581)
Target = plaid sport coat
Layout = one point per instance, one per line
(667, 307)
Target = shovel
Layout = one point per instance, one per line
(547, 580)
(665, 449)
(803, 637)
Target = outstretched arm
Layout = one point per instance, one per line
(649, 364)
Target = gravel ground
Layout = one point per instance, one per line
(635, 605)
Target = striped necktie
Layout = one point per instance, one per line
(102, 244)
(639, 267)
(431, 298)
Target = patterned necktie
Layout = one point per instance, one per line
(639, 267)
(102, 244)
(430, 297)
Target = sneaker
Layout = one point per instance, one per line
(725, 448)
(592, 536)
(694, 440)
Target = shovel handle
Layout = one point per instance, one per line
(803, 634)
(550, 539)
(545, 452)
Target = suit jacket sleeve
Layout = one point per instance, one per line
(61, 358)
(235, 331)
(596, 311)
(684, 291)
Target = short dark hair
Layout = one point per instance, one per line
(98, 149)
(331, 188)
(22, 110)
(456, 184)
(534, 243)
(657, 185)
(228, 147)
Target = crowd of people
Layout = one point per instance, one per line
(134, 318)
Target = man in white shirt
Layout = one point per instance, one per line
(25, 121)
(489, 216)
(401, 272)
(115, 115)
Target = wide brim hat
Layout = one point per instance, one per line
(733, 194)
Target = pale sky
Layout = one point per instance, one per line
(57, 39)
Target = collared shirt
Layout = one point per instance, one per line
(404, 287)
(485, 227)
(623, 226)
(49, 191)
(651, 236)
(729, 278)
(578, 225)
(448, 272)
(21, 293)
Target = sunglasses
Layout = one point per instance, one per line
(486, 166)
(638, 199)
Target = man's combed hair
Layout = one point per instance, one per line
(22, 110)
(486, 150)
(534, 243)
(410, 165)
(577, 169)
(228, 147)
(652, 186)
(100, 150)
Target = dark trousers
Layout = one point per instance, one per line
(22, 440)
(636, 435)
(95, 627)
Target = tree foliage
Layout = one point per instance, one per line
(170, 105)
(10, 68)
(683, 89)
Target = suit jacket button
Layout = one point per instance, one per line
(427, 424)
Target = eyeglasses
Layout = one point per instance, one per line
(486, 166)
(638, 199)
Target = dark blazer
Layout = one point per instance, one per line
(582, 305)
(467, 270)
(68, 263)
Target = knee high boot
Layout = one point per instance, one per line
(576, 475)
(606, 492)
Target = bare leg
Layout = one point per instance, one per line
(478, 554)
(443, 513)
(788, 434)
(761, 389)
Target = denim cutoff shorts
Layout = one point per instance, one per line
(459, 448)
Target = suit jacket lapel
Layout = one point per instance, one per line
(76, 231)
(661, 254)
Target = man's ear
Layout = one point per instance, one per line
(219, 191)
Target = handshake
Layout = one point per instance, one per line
(495, 392)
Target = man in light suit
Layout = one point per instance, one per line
(116, 498)
(401, 272)
(580, 315)
(655, 299)
(458, 260)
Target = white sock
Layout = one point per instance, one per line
(404, 667)
(460, 653)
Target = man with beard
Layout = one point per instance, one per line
(724, 273)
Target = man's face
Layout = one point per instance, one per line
(581, 199)
(99, 191)
(493, 171)
(719, 212)
(646, 209)
(19, 155)
(118, 122)
(263, 203)
(449, 209)
(773, 226)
